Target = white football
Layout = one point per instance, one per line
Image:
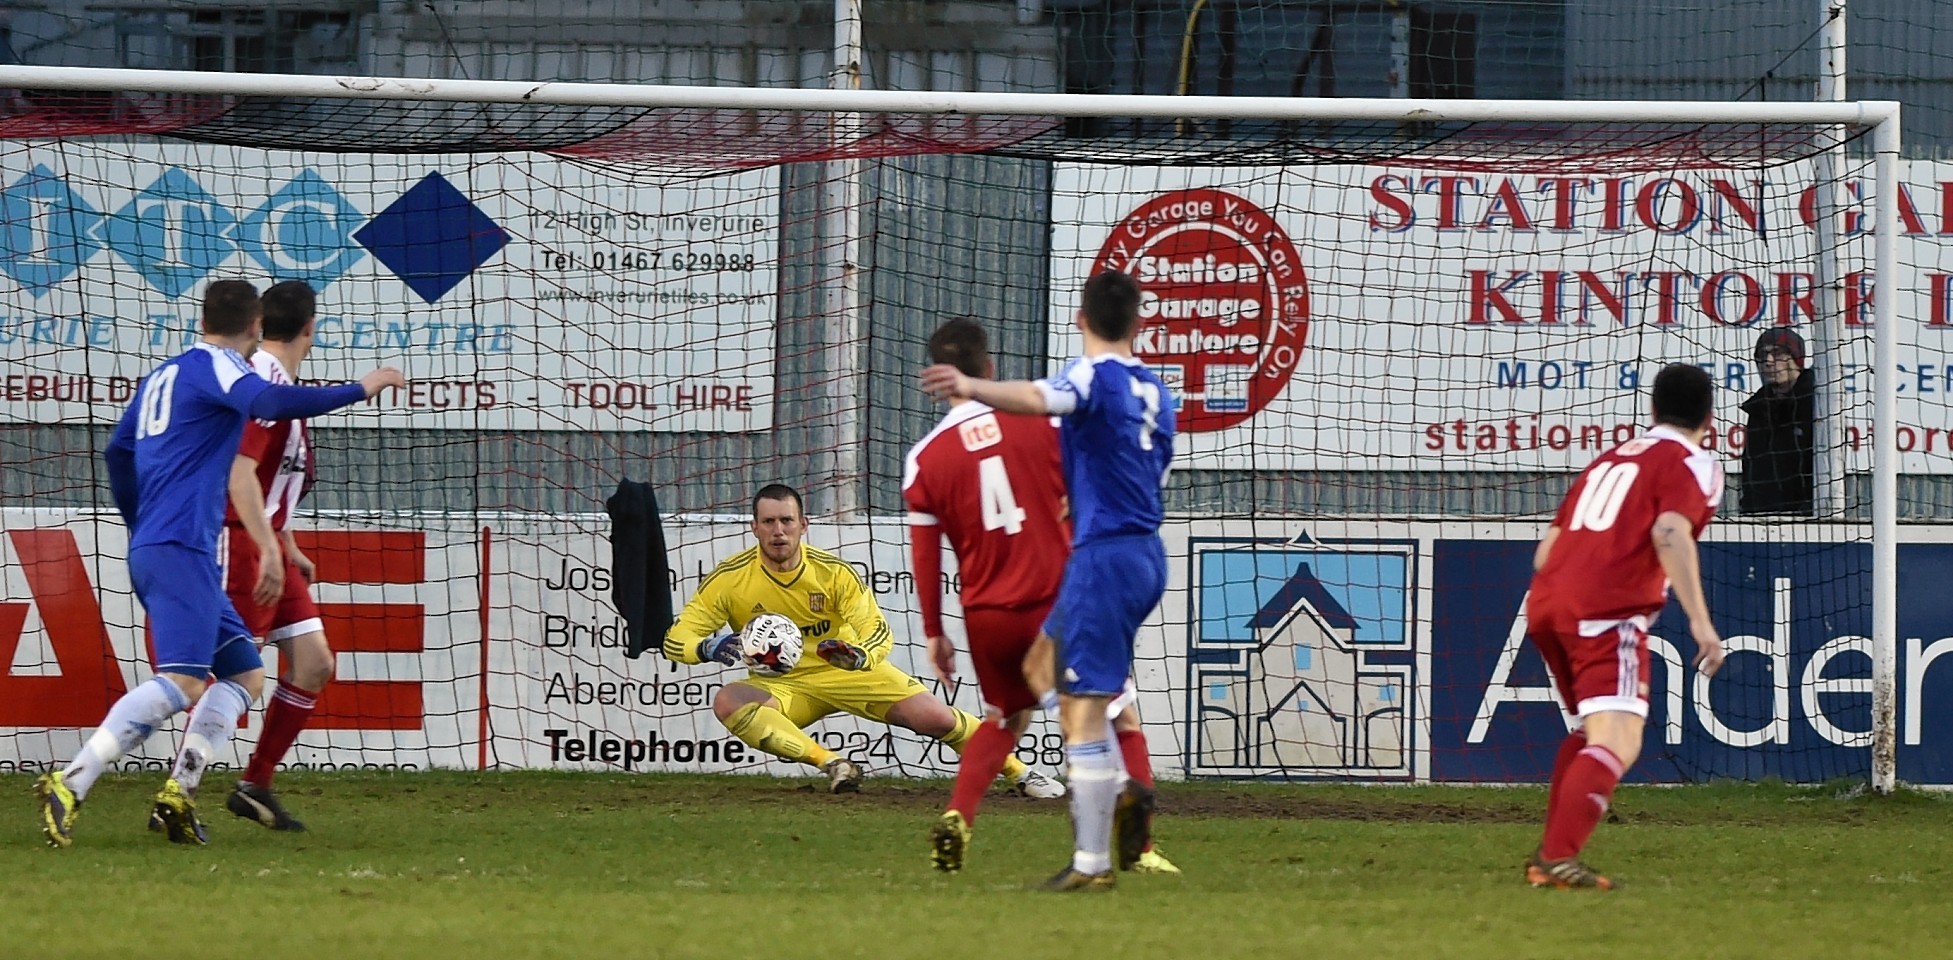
(770, 644)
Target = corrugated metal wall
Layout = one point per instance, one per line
(1322, 48)
(953, 236)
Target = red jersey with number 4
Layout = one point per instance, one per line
(993, 484)
(282, 450)
(1603, 568)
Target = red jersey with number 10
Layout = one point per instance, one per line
(1603, 568)
(994, 485)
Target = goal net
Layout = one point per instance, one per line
(1396, 332)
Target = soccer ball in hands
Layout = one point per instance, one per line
(770, 644)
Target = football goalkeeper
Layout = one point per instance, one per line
(844, 667)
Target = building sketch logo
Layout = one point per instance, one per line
(173, 233)
(303, 232)
(1301, 660)
(49, 230)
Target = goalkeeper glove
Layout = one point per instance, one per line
(842, 655)
(720, 649)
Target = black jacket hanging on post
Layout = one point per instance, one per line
(1778, 448)
(639, 566)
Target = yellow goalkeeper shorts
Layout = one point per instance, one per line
(808, 694)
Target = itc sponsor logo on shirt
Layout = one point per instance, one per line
(981, 432)
(1224, 305)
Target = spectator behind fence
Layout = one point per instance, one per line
(1778, 453)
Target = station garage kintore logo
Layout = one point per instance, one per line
(1224, 305)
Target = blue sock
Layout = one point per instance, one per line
(1094, 782)
(211, 724)
(128, 724)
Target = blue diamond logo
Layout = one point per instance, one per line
(173, 233)
(304, 232)
(433, 237)
(49, 230)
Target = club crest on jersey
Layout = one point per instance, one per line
(817, 602)
(980, 432)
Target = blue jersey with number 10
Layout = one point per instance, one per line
(184, 425)
(1117, 440)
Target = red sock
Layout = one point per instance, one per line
(290, 709)
(983, 759)
(1139, 766)
(1584, 796)
(1569, 748)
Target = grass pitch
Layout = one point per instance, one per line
(531, 864)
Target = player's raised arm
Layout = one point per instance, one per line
(288, 402)
(694, 637)
(1674, 538)
(260, 399)
(943, 382)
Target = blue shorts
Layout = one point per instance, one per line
(195, 629)
(1111, 587)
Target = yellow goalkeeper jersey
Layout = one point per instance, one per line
(824, 596)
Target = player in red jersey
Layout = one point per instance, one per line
(992, 483)
(267, 576)
(1625, 533)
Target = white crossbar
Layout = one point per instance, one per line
(1854, 113)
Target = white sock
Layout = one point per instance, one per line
(128, 724)
(1049, 701)
(1094, 781)
(211, 724)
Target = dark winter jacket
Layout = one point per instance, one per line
(1778, 463)
(639, 566)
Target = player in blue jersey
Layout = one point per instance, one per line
(1116, 435)
(169, 464)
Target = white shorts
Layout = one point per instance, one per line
(1125, 699)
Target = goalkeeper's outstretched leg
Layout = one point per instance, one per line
(770, 714)
(760, 720)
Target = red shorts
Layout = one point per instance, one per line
(1000, 637)
(1598, 665)
(294, 615)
